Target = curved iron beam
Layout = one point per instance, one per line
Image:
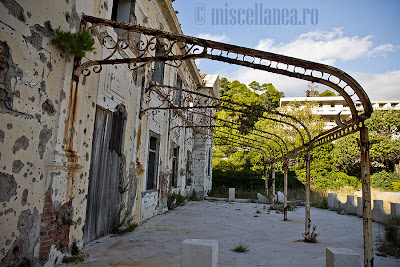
(254, 129)
(310, 71)
(250, 139)
(242, 105)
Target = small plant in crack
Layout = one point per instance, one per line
(241, 246)
(313, 236)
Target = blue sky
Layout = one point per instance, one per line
(360, 37)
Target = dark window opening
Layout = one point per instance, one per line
(117, 133)
(152, 163)
(178, 93)
(159, 67)
(124, 11)
(189, 168)
(175, 166)
(209, 162)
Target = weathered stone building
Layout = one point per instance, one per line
(75, 157)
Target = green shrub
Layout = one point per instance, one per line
(332, 180)
(391, 244)
(174, 200)
(241, 247)
(313, 236)
(384, 180)
(194, 196)
(77, 43)
(396, 186)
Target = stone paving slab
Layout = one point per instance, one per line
(272, 241)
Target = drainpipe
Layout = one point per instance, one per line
(307, 218)
(285, 189)
(366, 193)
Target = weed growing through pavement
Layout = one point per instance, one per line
(313, 236)
(241, 246)
(391, 244)
(291, 206)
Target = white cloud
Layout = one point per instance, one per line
(321, 46)
(383, 86)
(217, 38)
(382, 49)
(325, 47)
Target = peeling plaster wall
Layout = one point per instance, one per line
(35, 159)
(47, 124)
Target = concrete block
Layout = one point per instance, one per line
(333, 201)
(350, 207)
(261, 198)
(231, 194)
(199, 253)
(359, 206)
(342, 257)
(378, 213)
(394, 210)
(281, 197)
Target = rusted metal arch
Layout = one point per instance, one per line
(239, 143)
(251, 140)
(202, 48)
(273, 112)
(217, 126)
(278, 121)
(171, 106)
(254, 129)
(241, 138)
(166, 99)
(263, 136)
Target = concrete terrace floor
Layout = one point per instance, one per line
(272, 241)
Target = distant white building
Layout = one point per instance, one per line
(329, 106)
(382, 105)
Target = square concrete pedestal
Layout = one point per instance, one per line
(231, 194)
(342, 257)
(199, 253)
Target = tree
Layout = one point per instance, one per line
(384, 131)
(312, 92)
(271, 97)
(385, 122)
(327, 93)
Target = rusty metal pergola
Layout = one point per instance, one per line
(176, 48)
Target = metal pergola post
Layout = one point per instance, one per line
(308, 197)
(285, 189)
(366, 196)
(273, 185)
(266, 182)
